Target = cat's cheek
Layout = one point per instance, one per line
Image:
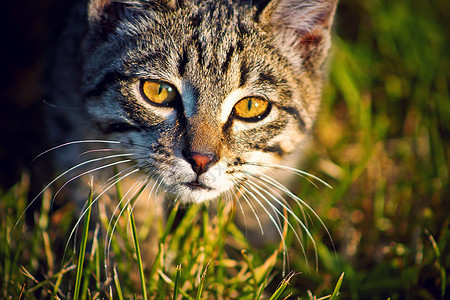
(256, 157)
(290, 140)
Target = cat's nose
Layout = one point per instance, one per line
(200, 162)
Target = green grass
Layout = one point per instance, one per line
(382, 142)
(192, 260)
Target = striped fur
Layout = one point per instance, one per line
(214, 53)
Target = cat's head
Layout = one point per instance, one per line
(205, 90)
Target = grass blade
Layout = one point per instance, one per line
(138, 253)
(437, 252)
(80, 263)
(201, 283)
(169, 222)
(261, 289)
(338, 286)
(170, 282)
(177, 283)
(284, 283)
(117, 283)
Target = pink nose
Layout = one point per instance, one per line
(201, 160)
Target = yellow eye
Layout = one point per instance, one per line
(252, 109)
(158, 93)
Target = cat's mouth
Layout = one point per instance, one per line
(196, 185)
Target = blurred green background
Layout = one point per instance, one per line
(382, 141)
(383, 144)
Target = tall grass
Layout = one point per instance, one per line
(381, 141)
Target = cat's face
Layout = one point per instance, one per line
(205, 93)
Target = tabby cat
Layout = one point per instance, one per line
(196, 98)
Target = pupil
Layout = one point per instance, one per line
(249, 104)
(160, 89)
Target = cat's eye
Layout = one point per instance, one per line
(158, 93)
(251, 109)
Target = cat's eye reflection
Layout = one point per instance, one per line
(251, 109)
(158, 93)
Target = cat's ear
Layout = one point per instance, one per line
(301, 29)
(103, 15)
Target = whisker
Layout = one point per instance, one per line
(138, 166)
(61, 175)
(233, 197)
(281, 199)
(151, 191)
(301, 173)
(80, 165)
(156, 191)
(110, 230)
(88, 172)
(236, 197)
(103, 150)
(74, 143)
(230, 195)
(84, 211)
(252, 209)
(113, 182)
(274, 183)
(103, 167)
(305, 214)
(117, 175)
(138, 194)
(281, 187)
(300, 202)
(136, 191)
(275, 223)
(278, 212)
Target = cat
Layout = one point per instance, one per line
(200, 99)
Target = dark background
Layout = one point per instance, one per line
(28, 30)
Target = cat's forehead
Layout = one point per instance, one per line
(212, 22)
(218, 14)
(206, 43)
(207, 50)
